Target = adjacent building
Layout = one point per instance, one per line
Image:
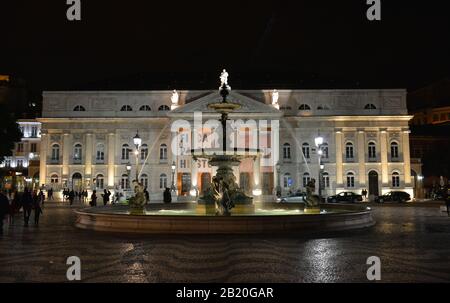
(22, 168)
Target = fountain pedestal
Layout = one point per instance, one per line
(224, 194)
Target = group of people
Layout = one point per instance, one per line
(105, 196)
(28, 201)
(71, 195)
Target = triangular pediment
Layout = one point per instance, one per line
(248, 106)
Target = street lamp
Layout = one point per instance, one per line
(319, 142)
(278, 167)
(137, 143)
(128, 167)
(173, 176)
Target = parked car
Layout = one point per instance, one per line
(394, 196)
(298, 197)
(345, 196)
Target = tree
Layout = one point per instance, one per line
(9, 132)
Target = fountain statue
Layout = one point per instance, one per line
(138, 201)
(312, 200)
(223, 193)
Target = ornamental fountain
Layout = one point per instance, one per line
(223, 193)
(224, 208)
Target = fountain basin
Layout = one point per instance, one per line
(183, 219)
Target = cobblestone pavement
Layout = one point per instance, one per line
(412, 242)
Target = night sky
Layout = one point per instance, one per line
(160, 44)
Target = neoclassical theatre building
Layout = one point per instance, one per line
(87, 140)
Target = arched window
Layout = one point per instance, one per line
(286, 151)
(370, 106)
(395, 179)
(323, 107)
(77, 152)
(350, 180)
(144, 151)
(124, 182)
(79, 108)
(372, 151)
(304, 107)
(54, 179)
(306, 179)
(144, 180)
(287, 180)
(55, 152)
(163, 108)
(100, 181)
(125, 152)
(100, 153)
(163, 181)
(126, 108)
(394, 150)
(324, 149)
(326, 179)
(145, 108)
(305, 150)
(349, 151)
(163, 152)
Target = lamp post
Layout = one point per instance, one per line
(278, 190)
(319, 143)
(172, 188)
(137, 143)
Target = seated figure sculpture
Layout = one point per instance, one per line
(312, 200)
(137, 203)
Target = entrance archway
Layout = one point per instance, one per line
(77, 182)
(373, 184)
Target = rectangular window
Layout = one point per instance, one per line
(182, 163)
(34, 131)
(20, 163)
(20, 147)
(33, 147)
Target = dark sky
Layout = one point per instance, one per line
(150, 44)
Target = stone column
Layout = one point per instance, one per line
(275, 144)
(67, 145)
(406, 158)
(361, 159)
(384, 158)
(88, 155)
(43, 159)
(339, 166)
(194, 175)
(111, 159)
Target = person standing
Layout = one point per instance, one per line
(41, 197)
(27, 204)
(50, 194)
(4, 209)
(105, 195)
(147, 195)
(94, 198)
(14, 207)
(167, 196)
(71, 197)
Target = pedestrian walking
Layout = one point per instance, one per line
(4, 209)
(50, 194)
(27, 204)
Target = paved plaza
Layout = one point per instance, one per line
(413, 244)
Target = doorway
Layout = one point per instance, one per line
(373, 184)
